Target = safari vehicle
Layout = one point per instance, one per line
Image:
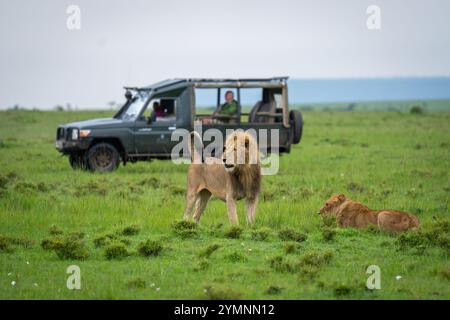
(133, 133)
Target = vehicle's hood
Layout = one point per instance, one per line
(95, 123)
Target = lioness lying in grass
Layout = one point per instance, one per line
(350, 213)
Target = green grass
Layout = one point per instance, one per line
(386, 160)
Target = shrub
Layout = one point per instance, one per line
(150, 248)
(116, 250)
(67, 247)
(185, 228)
(260, 234)
(416, 110)
(233, 232)
(291, 235)
(206, 253)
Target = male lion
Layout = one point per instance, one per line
(234, 177)
(350, 213)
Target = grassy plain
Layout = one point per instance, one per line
(384, 159)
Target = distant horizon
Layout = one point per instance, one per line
(311, 91)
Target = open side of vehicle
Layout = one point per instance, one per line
(142, 128)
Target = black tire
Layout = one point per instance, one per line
(78, 161)
(103, 157)
(296, 121)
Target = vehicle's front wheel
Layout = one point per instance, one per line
(103, 157)
(78, 161)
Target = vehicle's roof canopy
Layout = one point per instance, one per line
(171, 84)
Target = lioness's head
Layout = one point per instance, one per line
(332, 204)
(240, 149)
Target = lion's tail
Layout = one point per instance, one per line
(196, 148)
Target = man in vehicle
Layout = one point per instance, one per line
(229, 108)
(158, 112)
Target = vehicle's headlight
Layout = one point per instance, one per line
(74, 134)
(84, 133)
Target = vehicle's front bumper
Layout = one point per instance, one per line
(65, 146)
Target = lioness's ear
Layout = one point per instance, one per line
(341, 197)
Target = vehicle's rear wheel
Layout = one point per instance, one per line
(78, 161)
(296, 121)
(103, 157)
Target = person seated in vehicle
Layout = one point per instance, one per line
(157, 112)
(229, 108)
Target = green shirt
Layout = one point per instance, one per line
(228, 108)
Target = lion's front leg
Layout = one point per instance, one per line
(251, 210)
(232, 213)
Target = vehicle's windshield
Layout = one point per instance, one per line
(135, 106)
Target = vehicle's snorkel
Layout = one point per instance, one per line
(128, 96)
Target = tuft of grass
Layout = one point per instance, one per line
(136, 283)
(54, 230)
(236, 257)
(328, 227)
(130, 230)
(202, 265)
(434, 235)
(328, 233)
(328, 220)
(316, 258)
(341, 289)
(104, 239)
(233, 232)
(261, 234)
(288, 234)
(116, 250)
(273, 290)
(185, 228)
(206, 252)
(280, 264)
(150, 248)
(291, 247)
(5, 245)
(222, 293)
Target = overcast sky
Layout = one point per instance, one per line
(43, 63)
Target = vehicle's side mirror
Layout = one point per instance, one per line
(149, 120)
(128, 95)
